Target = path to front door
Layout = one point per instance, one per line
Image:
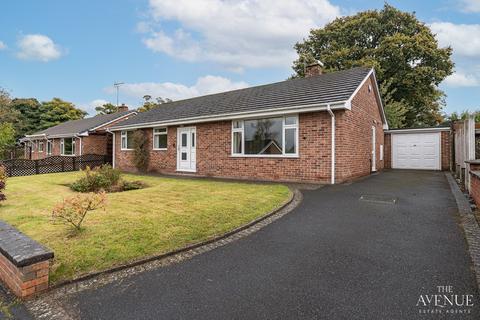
(186, 149)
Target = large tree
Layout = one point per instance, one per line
(7, 138)
(58, 111)
(408, 61)
(30, 111)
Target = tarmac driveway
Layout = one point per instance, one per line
(334, 257)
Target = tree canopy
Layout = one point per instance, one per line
(106, 108)
(149, 104)
(408, 61)
(57, 111)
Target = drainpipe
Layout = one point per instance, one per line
(81, 148)
(332, 174)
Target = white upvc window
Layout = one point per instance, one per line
(160, 138)
(381, 152)
(40, 146)
(67, 146)
(126, 140)
(266, 137)
(49, 147)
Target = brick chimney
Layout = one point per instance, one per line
(314, 69)
(122, 108)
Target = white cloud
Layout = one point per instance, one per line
(90, 106)
(176, 91)
(461, 79)
(238, 34)
(38, 47)
(2, 45)
(470, 5)
(464, 38)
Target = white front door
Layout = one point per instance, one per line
(186, 149)
(416, 151)
(374, 150)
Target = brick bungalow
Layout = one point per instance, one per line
(324, 128)
(76, 137)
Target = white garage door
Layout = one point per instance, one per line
(416, 151)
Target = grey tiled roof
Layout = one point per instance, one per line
(325, 88)
(82, 125)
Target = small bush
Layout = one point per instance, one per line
(104, 178)
(141, 154)
(3, 183)
(73, 210)
(101, 178)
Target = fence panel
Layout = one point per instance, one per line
(53, 164)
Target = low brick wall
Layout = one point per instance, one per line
(475, 186)
(24, 263)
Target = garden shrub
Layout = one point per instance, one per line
(73, 210)
(104, 178)
(141, 152)
(3, 183)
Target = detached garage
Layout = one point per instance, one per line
(421, 149)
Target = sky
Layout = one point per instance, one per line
(176, 49)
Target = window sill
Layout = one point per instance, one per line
(126, 149)
(280, 156)
(160, 149)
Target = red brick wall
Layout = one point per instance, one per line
(354, 142)
(92, 144)
(214, 153)
(445, 150)
(24, 281)
(475, 188)
(388, 151)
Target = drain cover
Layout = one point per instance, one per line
(378, 199)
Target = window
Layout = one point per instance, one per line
(49, 147)
(160, 139)
(67, 146)
(127, 140)
(276, 136)
(40, 146)
(381, 152)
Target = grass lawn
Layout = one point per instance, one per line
(170, 213)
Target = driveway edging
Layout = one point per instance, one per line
(469, 225)
(45, 304)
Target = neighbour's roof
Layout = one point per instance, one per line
(82, 125)
(322, 89)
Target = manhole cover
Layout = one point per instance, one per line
(378, 199)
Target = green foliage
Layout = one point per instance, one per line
(98, 179)
(403, 51)
(141, 152)
(3, 183)
(58, 111)
(7, 138)
(148, 104)
(30, 111)
(464, 115)
(73, 210)
(107, 108)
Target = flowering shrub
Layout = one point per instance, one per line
(3, 182)
(73, 210)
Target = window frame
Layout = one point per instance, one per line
(241, 130)
(41, 146)
(62, 147)
(124, 135)
(49, 149)
(154, 134)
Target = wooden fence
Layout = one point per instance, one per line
(23, 167)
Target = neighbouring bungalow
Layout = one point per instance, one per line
(325, 128)
(76, 137)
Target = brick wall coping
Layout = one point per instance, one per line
(475, 173)
(20, 249)
(477, 161)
